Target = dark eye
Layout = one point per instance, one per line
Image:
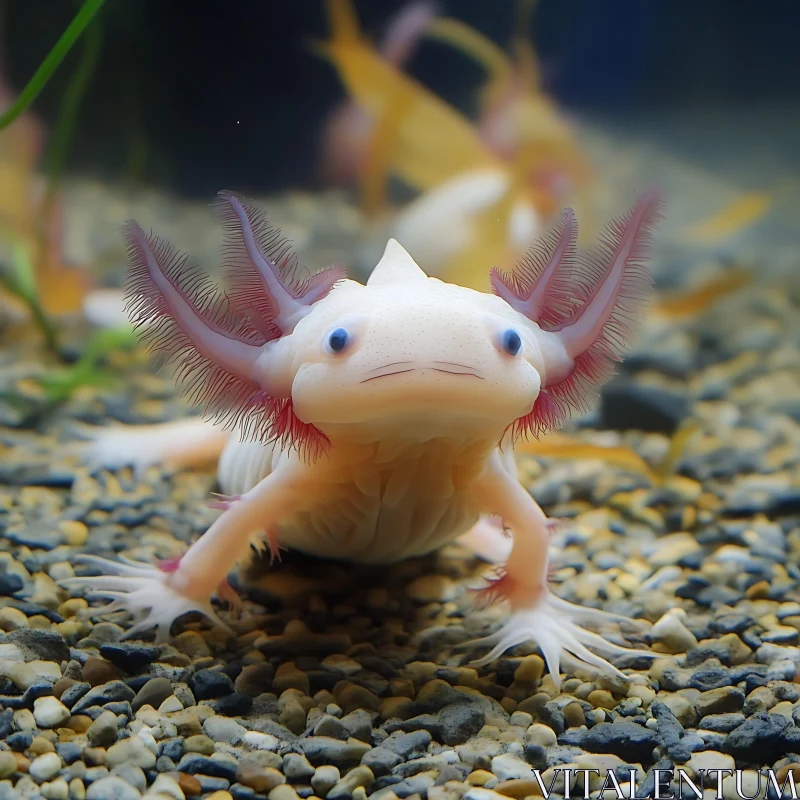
(337, 340)
(512, 343)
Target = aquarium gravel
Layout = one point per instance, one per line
(346, 682)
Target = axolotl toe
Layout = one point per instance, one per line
(375, 422)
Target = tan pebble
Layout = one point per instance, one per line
(353, 697)
(199, 743)
(23, 763)
(190, 786)
(79, 723)
(402, 687)
(40, 745)
(97, 671)
(12, 618)
(221, 794)
(75, 533)
(758, 591)
(783, 772)
(288, 676)
(39, 623)
(396, 707)
(479, 777)
(283, 792)
(69, 608)
(8, 764)
(533, 705)
(509, 704)
(646, 694)
(602, 698)
(530, 669)
(519, 787)
(261, 779)
(186, 721)
(573, 714)
(77, 791)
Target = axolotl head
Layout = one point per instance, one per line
(307, 361)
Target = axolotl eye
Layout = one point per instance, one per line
(337, 340)
(512, 342)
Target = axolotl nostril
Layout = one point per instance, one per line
(375, 422)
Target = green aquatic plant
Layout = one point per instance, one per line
(88, 370)
(46, 69)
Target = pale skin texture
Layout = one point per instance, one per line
(413, 406)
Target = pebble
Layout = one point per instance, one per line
(153, 693)
(207, 684)
(8, 764)
(325, 778)
(112, 787)
(97, 671)
(670, 632)
(103, 730)
(130, 751)
(261, 779)
(45, 767)
(297, 767)
(358, 777)
(50, 712)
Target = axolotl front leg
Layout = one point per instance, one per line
(536, 614)
(158, 596)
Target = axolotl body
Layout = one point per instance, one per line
(375, 422)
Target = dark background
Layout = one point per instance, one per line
(198, 94)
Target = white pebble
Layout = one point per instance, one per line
(261, 741)
(50, 712)
(45, 767)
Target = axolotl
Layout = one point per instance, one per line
(375, 422)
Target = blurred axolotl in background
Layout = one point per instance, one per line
(375, 422)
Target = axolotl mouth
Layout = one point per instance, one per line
(403, 367)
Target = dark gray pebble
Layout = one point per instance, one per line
(74, 693)
(195, 764)
(381, 761)
(721, 723)
(759, 740)
(69, 751)
(6, 723)
(119, 707)
(105, 693)
(626, 406)
(207, 684)
(408, 745)
(670, 732)
(19, 741)
(233, 705)
(710, 678)
(171, 748)
(40, 644)
(212, 783)
(37, 536)
(240, 792)
(129, 657)
(10, 584)
(359, 723)
(624, 739)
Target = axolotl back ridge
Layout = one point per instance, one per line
(375, 422)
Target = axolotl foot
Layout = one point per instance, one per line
(146, 592)
(556, 626)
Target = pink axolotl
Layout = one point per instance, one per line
(376, 422)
